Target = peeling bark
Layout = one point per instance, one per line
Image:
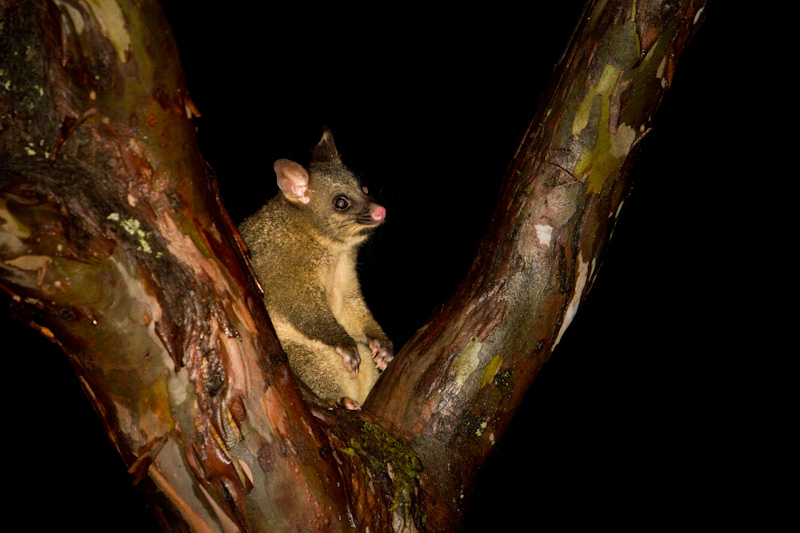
(111, 228)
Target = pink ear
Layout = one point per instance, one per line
(292, 180)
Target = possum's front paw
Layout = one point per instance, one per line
(382, 352)
(350, 358)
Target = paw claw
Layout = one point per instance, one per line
(350, 358)
(348, 403)
(382, 353)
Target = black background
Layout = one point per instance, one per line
(634, 422)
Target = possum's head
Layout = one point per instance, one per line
(330, 196)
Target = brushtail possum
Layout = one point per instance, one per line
(303, 245)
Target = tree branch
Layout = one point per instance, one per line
(453, 388)
(112, 230)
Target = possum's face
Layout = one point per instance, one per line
(342, 209)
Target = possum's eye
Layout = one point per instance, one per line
(366, 191)
(341, 203)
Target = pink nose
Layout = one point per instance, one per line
(378, 213)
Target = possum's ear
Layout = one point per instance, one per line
(292, 181)
(325, 151)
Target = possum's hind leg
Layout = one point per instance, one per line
(319, 366)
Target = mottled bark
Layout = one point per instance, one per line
(113, 236)
(455, 385)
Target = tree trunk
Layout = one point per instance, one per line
(114, 243)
